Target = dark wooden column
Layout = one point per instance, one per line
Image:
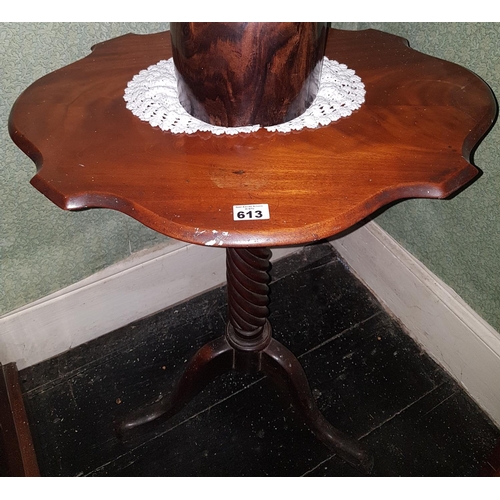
(237, 74)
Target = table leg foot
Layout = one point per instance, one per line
(210, 361)
(248, 346)
(284, 369)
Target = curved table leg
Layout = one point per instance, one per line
(248, 346)
(210, 361)
(284, 369)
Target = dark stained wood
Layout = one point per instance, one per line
(237, 74)
(248, 346)
(412, 138)
(17, 454)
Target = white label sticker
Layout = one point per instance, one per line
(251, 212)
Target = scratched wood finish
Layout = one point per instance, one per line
(237, 74)
(411, 138)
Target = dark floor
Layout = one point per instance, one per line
(369, 378)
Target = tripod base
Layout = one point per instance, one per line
(273, 360)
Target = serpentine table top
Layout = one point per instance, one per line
(412, 137)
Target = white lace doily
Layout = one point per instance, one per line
(152, 96)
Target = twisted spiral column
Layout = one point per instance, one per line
(248, 296)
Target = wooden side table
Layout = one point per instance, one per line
(412, 137)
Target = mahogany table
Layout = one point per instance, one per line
(412, 137)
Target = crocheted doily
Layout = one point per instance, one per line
(152, 96)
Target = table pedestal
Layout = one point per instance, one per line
(248, 346)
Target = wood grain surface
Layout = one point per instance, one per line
(238, 74)
(411, 138)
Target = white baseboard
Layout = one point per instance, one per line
(465, 345)
(143, 284)
(434, 315)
